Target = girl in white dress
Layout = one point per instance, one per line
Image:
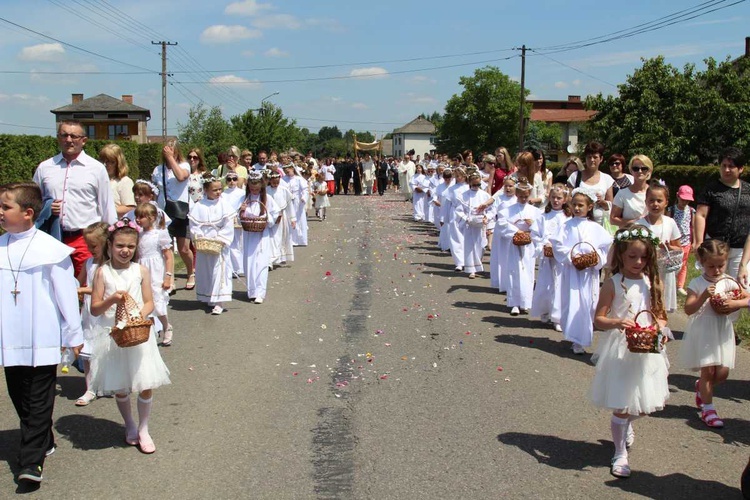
(441, 213)
(419, 186)
(300, 192)
(95, 237)
(665, 228)
(122, 370)
(499, 249)
(547, 302)
(155, 254)
(212, 218)
(433, 181)
(257, 245)
(320, 190)
(708, 345)
(233, 195)
(520, 262)
(472, 222)
(455, 232)
(146, 192)
(630, 384)
(581, 288)
(282, 248)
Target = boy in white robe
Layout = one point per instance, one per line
(38, 315)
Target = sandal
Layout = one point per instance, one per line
(711, 419)
(190, 282)
(87, 398)
(167, 337)
(146, 444)
(698, 399)
(620, 470)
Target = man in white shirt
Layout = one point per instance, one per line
(406, 171)
(79, 188)
(328, 170)
(262, 159)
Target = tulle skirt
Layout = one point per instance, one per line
(126, 369)
(708, 341)
(628, 382)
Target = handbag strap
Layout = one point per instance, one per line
(736, 208)
(164, 180)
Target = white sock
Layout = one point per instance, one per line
(619, 428)
(123, 404)
(144, 411)
(707, 407)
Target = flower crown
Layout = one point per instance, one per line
(154, 187)
(124, 222)
(254, 175)
(637, 233)
(591, 195)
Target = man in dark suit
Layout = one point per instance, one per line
(382, 169)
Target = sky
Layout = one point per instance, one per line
(370, 66)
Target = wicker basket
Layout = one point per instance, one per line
(521, 238)
(237, 224)
(670, 260)
(208, 246)
(732, 290)
(584, 260)
(548, 252)
(644, 339)
(136, 330)
(254, 223)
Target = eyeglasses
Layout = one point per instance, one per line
(614, 163)
(73, 137)
(640, 169)
(192, 157)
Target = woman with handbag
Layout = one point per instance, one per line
(172, 177)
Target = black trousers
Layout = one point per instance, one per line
(382, 183)
(346, 176)
(357, 182)
(32, 390)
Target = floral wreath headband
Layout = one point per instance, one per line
(585, 192)
(638, 233)
(124, 222)
(154, 187)
(254, 176)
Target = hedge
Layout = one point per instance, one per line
(20, 155)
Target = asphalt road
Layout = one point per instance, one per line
(373, 370)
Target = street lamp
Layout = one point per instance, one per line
(263, 101)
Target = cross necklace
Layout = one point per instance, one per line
(16, 274)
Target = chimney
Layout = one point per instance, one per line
(574, 98)
(77, 98)
(128, 98)
(747, 46)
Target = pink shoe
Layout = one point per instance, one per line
(711, 419)
(146, 444)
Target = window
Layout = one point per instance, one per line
(118, 132)
(90, 131)
(117, 115)
(432, 139)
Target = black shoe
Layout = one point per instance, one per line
(32, 473)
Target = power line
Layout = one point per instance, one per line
(349, 77)
(573, 68)
(75, 46)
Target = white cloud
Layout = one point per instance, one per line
(360, 105)
(24, 99)
(423, 100)
(715, 21)
(235, 82)
(277, 21)
(275, 52)
(221, 33)
(634, 56)
(248, 53)
(43, 52)
(561, 85)
(373, 72)
(247, 8)
(417, 79)
(326, 24)
(577, 82)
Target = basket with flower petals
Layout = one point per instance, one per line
(727, 288)
(644, 339)
(130, 327)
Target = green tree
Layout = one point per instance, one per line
(676, 116)
(207, 129)
(266, 129)
(326, 133)
(484, 116)
(542, 135)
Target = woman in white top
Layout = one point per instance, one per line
(594, 180)
(629, 204)
(527, 168)
(543, 175)
(122, 185)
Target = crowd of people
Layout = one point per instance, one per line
(588, 250)
(582, 250)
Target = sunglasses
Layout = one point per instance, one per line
(73, 137)
(232, 179)
(192, 157)
(616, 163)
(640, 169)
(475, 185)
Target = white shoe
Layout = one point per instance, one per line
(558, 328)
(681, 291)
(217, 310)
(578, 349)
(524, 311)
(258, 300)
(515, 311)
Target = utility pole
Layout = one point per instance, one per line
(164, 75)
(521, 124)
